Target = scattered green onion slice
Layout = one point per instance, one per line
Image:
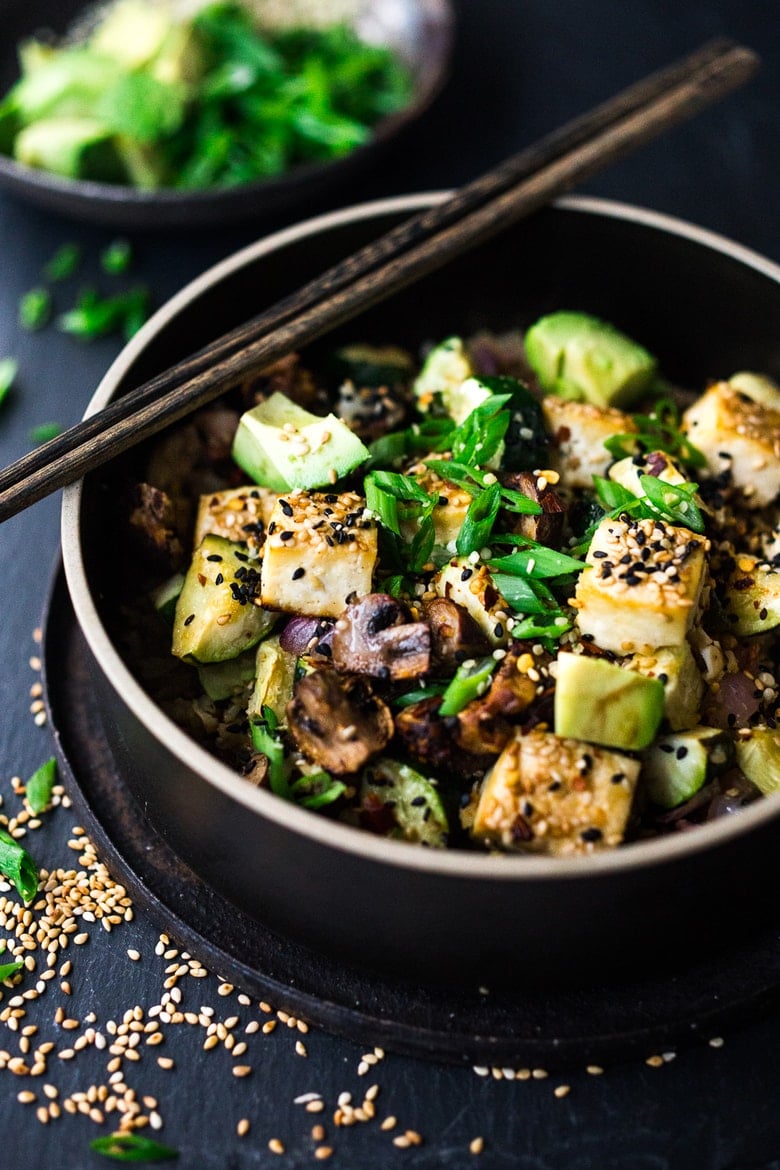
(478, 521)
(63, 263)
(17, 865)
(44, 432)
(39, 786)
(9, 969)
(418, 695)
(132, 1147)
(35, 309)
(470, 681)
(8, 370)
(674, 500)
(116, 258)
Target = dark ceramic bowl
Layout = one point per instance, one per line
(706, 307)
(420, 32)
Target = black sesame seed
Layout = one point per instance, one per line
(298, 574)
(498, 630)
(218, 579)
(593, 834)
(618, 777)
(286, 508)
(189, 619)
(214, 557)
(466, 574)
(417, 802)
(286, 535)
(681, 753)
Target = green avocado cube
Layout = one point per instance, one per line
(282, 446)
(602, 703)
(577, 356)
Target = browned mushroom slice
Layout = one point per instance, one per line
(522, 682)
(455, 636)
(153, 525)
(338, 722)
(375, 637)
(546, 528)
(428, 738)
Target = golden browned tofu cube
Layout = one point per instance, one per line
(556, 796)
(449, 513)
(740, 438)
(578, 431)
(643, 585)
(321, 549)
(237, 514)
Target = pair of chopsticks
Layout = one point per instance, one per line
(427, 241)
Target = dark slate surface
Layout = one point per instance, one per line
(519, 70)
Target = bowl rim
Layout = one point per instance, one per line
(321, 830)
(429, 80)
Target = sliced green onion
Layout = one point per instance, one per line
(8, 370)
(523, 594)
(45, 432)
(478, 521)
(35, 309)
(9, 969)
(470, 681)
(116, 258)
(546, 627)
(317, 790)
(132, 1147)
(538, 562)
(63, 263)
(420, 694)
(674, 500)
(17, 865)
(266, 741)
(479, 436)
(39, 787)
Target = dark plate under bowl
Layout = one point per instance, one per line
(420, 32)
(706, 307)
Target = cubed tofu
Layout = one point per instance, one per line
(578, 431)
(237, 514)
(627, 471)
(321, 549)
(472, 587)
(683, 682)
(449, 513)
(643, 585)
(557, 796)
(740, 439)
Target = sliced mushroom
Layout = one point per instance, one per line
(428, 738)
(337, 721)
(374, 636)
(546, 528)
(153, 525)
(489, 722)
(455, 636)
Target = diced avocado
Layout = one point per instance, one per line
(440, 381)
(413, 804)
(600, 702)
(34, 54)
(750, 598)
(165, 596)
(758, 387)
(579, 356)
(758, 755)
(373, 365)
(143, 166)
(682, 680)
(677, 766)
(132, 32)
(222, 680)
(71, 147)
(282, 446)
(68, 86)
(211, 623)
(275, 671)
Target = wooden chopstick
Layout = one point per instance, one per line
(427, 241)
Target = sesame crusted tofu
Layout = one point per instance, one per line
(643, 585)
(578, 431)
(556, 796)
(683, 683)
(321, 548)
(740, 439)
(449, 513)
(237, 514)
(472, 586)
